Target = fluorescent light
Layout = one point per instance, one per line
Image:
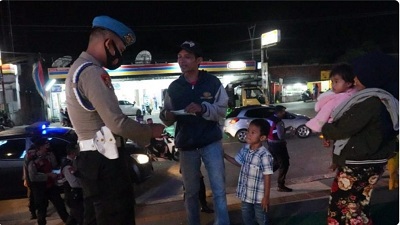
(50, 84)
(236, 65)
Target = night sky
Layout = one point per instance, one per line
(311, 31)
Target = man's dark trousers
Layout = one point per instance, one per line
(281, 160)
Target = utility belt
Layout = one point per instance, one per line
(104, 142)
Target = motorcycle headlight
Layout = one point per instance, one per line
(141, 158)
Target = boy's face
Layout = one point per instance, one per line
(254, 135)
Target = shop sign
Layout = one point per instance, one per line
(56, 88)
(325, 74)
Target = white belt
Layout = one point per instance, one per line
(87, 145)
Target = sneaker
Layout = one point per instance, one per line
(284, 189)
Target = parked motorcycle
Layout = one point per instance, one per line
(306, 95)
(66, 122)
(164, 144)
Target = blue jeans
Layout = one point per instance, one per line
(213, 159)
(252, 213)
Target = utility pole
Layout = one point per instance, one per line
(251, 34)
(5, 108)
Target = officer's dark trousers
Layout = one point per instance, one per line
(42, 195)
(281, 160)
(74, 200)
(107, 189)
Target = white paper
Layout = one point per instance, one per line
(182, 112)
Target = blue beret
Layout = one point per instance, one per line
(120, 29)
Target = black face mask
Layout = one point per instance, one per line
(110, 58)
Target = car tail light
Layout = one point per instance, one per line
(234, 120)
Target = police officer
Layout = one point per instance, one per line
(99, 122)
(72, 186)
(277, 146)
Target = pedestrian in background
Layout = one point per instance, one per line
(73, 194)
(364, 130)
(278, 147)
(315, 92)
(30, 155)
(102, 127)
(199, 101)
(43, 183)
(256, 167)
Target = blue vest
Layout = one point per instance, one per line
(194, 131)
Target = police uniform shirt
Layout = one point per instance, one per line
(95, 84)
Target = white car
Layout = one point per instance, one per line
(129, 108)
(238, 120)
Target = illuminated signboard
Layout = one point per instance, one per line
(270, 38)
(164, 68)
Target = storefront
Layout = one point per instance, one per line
(144, 84)
(9, 88)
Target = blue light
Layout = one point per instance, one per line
(23, 155)
(44, 132)
(43, 126)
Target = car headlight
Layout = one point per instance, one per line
(141, 158)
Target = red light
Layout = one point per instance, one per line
(234, 120)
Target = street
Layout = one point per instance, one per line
(159, 199)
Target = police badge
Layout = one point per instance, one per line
(107, 81)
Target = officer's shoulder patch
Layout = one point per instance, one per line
(107, 80)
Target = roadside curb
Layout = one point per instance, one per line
(304, 188)
(312, 189)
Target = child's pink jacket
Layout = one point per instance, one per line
(324, 107)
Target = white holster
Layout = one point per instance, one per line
(105, 143)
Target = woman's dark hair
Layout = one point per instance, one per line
(345, 71)
(262, 124)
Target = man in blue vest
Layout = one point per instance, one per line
(196, 101)
(277, 146)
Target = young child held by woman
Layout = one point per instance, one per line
(342, 78)
(255, 163)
